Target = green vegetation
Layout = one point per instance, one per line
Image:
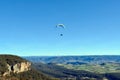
(113, 76)
(96, 68)
(54, 70)
(9, 59)
(32, 74)
(79, 67)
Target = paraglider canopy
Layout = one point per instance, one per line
(60, 25)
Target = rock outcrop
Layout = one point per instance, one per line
(17, 68)
(13, 67)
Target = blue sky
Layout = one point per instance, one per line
(27, 27)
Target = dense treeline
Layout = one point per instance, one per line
(61, 72)
(113, 76)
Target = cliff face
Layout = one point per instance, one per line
(21, 67)
(17, 68)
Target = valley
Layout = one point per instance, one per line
(78, 67)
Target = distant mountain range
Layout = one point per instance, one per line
(67, 59)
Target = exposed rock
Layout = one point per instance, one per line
(17, 68)
(21, 67)
(6, 73)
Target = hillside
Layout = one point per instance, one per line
(16, 68)
(54, 70)
(63, 73)
(79, 67)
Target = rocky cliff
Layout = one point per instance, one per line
(16, 68)
(13, 64)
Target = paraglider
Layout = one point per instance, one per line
(60, 26)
